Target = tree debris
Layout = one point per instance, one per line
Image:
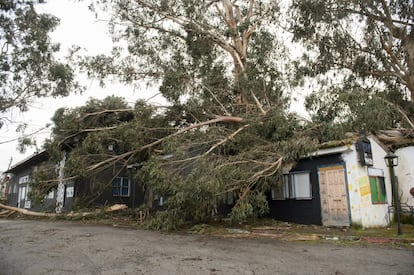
(10, 210)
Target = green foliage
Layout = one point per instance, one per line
(336, 111)
(42, 182)
(195, 186)
(253, 207)
(198, 55)
(28, 68)
(99, 131)
(209, 64)
(191, 181)
(73, 125)
(190, 192)
(362, 52)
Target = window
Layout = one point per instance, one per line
(51, 194)
(302, 186)
(281, 191)
(378, 194)
(22, 193)
(159, 198)
(364, 151)
(24, 179)
(120, 187)
(230, 198)
(295, 186)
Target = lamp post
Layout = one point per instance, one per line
(391, 160)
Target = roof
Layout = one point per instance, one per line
(32, 160)
(390, 139)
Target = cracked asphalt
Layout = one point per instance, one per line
(40, 247)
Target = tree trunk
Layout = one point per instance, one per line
(408, 43)
(113, 208)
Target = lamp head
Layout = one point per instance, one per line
(391, 159)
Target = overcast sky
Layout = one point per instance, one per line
(78, 26)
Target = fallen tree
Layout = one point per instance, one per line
(11, 210)
(226, 133)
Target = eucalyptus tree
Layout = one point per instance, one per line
(224, 52)
(196, 165)
(28, 68)
(224, 70)
(98, 135)
(361, 51)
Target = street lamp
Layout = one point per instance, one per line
(391, 160)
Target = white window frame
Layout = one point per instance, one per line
(24, 179)
(296, 185)
(51, 194)
(122, 183)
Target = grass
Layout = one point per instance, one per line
(389, 232)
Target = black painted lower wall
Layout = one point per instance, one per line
(304, 211)
(97, 191)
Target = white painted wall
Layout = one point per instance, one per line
(405, 173)
(363, 211)
(3, 181)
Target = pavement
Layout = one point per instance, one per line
(68, 247)
(278, 230)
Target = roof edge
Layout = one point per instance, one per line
(20, 163)
(332, 150)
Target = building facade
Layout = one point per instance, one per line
(336, 186)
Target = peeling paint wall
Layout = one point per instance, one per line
(405, 173)
(60, 197)
(363, 211)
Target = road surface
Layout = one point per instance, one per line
(39, 247)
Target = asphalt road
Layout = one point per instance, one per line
(38, 247)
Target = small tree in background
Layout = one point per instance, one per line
(362, 55)
(28, 68)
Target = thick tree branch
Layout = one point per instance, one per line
(404, 114)
(253, 180)
(107, 111)
(87, 131)
(115, 207)
(212, 148)
(224, 119)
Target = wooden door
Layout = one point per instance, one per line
(334, 199)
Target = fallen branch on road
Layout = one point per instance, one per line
(27, 212)
(6, 213)
(10, 210)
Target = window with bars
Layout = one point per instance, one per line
(120, 187)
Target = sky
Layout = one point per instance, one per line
(78, 26)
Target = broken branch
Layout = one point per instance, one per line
(113, 208)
